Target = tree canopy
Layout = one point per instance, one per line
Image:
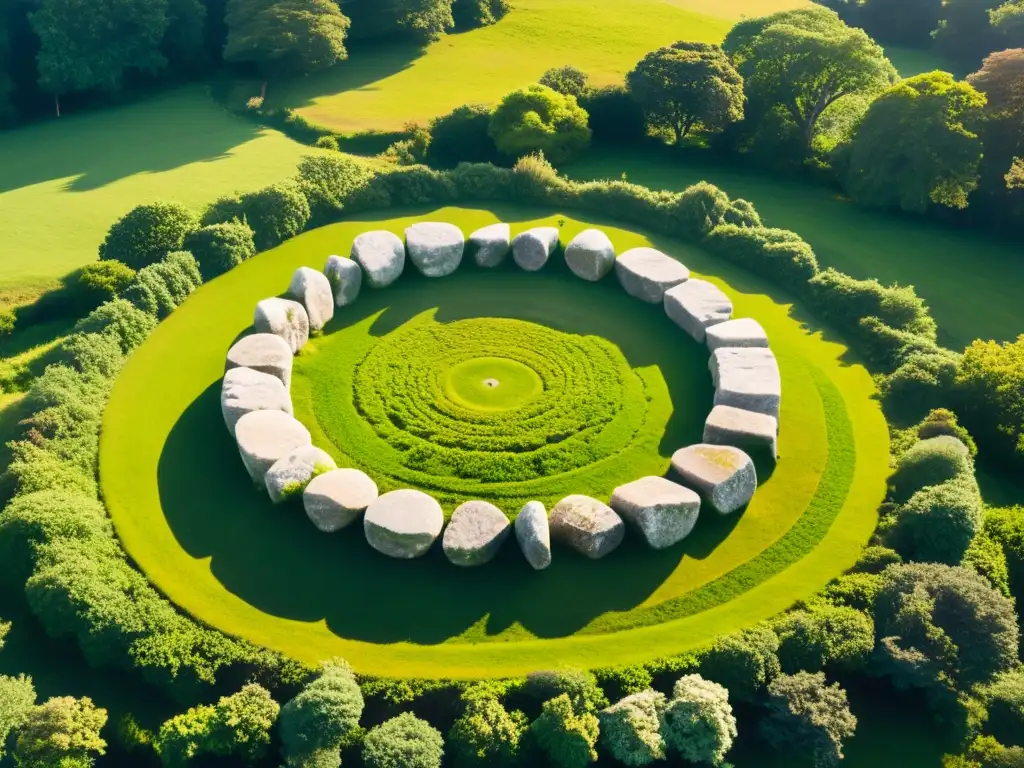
(809, 716)
(319, 718)
(698, 722)
(536, 118)
(61, 729)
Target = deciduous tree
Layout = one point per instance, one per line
(698, 722)
(1001, 79)
(61, 731)
(537, 118)
(319, 718)
(809, 716)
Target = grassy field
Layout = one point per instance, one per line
(64, 182)
(182, 504)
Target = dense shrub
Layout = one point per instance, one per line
(942, 421)
(699, 209)
(781, 256)
(564, 736)
(327, 142)
(809, 717)
(742, 213)
(406, 186)
(147, 233)
(101, 281)
(537, 119)
(631, 728)
(91, 353)
(615, 117)
(275, 213)
(1004, 697)
(321, 716)
(161, 287)
(478, 13)
(219, 248)
(462, 136)
(938, 523)
(698, 723)
(823, 635)
(567, 80)
(854, 590)
(1006, 526)
(17, 698)
(329, 182)
(580, 687)
(403, 742)
(130, 326)
(990, 390)
(62, 732)
(618, 682)
(985, 556)
(986, 752)
(929, 462)
(876, 559)
(486, 734)
(922, 380)
(743, 662)
(410, 150)
(7, 321)
(482, 181)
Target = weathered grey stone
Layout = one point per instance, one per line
(245, 390)
(742, 332)
(663, 511)
(744, 429)
(587, 525)
(722, 474)
(290, 474)
(346, 279)
(475, 533)
(264, 352)
(403, 524)
(435, 248)
(381, 255)
(490, 246)
(337, 498)
(284, 318)
(590, 255)
(747, 377)
(263, 437)
(533, 535)
(646, 273)
(532, 249)
(696, 305)
(312, 289)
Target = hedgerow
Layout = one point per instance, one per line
(147, 233)
(220, 247)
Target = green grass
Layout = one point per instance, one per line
(189, 517)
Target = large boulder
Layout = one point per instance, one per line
(587, 525)
(744, 429)
(742, 332)
(337, 498)
(663, 511)
(264, 352)
(289, 475)
(345, 278)
(381, 255)
(532, 249)
(747, 377)
(435, 248)
(403, 524)
(590, 255)
(696, 305)
(263, 437)
(284, 318)
(490, 246)
(646, 274)
(312, 289)
(534, 535)
(722, 474)
(245, 390)
(475, 533)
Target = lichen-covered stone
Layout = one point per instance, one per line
(346, 279)
(403, 524)
(263, 437)
(435, 248)
(587, 525)
(664, 512)
(264, 352)
(748, 378)
(646, 274)
(490, 246)
(590, 255)
(312, 289)
(381, 255)
(722, 474)
(245, 390)
(696, 305)
(289, 475)
(534, 535)
(475, 533)
(744, 429)
(284, 318)
(742, 332)
(532, 249)
(337, 498)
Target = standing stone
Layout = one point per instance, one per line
(264, 352)
(284, 318)
(587, 525)
(490, 246)
(435, 248)
(312, 289)
(475, 533)
(742, 332)
(381, 255)
(245, 390)
(263, 437)
(532, 249)
(697, 305)
(346, 279)
(723, 474)
(533, 535)
(646, 274)
(744, 429)
(337, 498)
(590, 255)
(663, 511)
(747, 377)
(290, 474)
(403, 524)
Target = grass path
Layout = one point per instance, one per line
(187, 516)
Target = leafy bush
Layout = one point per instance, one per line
(327, 142)
(929, 462)
(922, 380)
(147, 233)
(698, 723)
(17, 699)
(410, 150)
(990, 389)
(581, 687)
(161, 287)
(938, 523)
(275, 213)
(537, 119)
(567, 80)
(1006, 527)
(777, 254)
(535, 179)
(329, 182)
(699, 209)
(743, 662)
(809, 717)
(7, 320)
(322, 715)
(91, 353)
(462, 136)
(631, 728)
(98, 282)
(565, 737)
(1004, 697)
(482, 181)
(876, 559)
(118, 318)
(615, 117)
(823, 635)
(742, 213)
(414, 185)
(486, 734)
(219, 248)
(985, 556)
(62, 731)
(403, 742)
(618, 682)
(942, 421)
(479, 13)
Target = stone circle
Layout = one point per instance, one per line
(534, 535)
(244, 390)
(289, 475)
(475, 533)
(664, 512)
(312, 289)
(722, 474)
(490, 246)
(742, 332)
(264, 352)
(435, 248)
(337, 498)
(263, 437)
(284, 318)
(586, 525)
(696, 305)
(345, 278)
(403, 524)
(646, 274)
(532, 249)
(381, 255)
(590, 255)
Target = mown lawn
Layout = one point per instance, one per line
(189, 517)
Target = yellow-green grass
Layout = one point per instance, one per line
(384, 86)
(190, 519)
(64, 182)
